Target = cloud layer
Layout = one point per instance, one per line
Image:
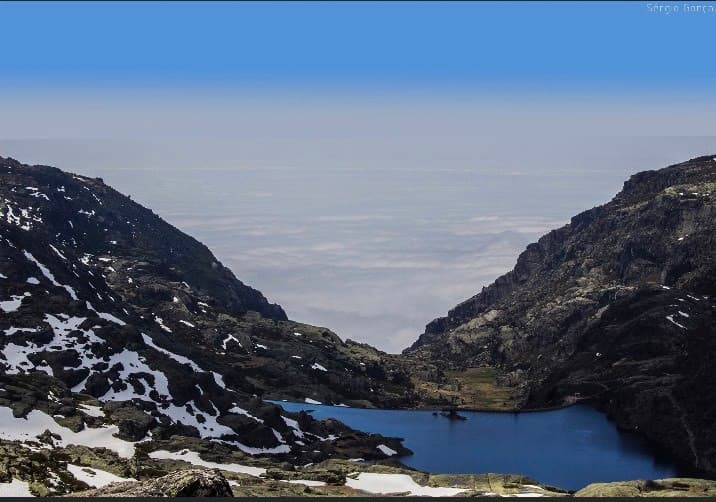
(370, 218)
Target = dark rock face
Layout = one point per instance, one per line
(102, 302)
(617, 307)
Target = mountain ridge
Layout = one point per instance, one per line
(173, 244)
(118, 330)
(117, 325)
(634, 187)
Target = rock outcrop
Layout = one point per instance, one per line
(189, 483)
(672, 487)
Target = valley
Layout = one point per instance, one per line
(128, 348)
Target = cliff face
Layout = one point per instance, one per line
(616, 307)
(113, 320)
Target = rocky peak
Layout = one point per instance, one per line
(94, 219)
(673, 199)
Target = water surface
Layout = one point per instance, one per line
(568, 448)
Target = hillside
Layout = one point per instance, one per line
(617, 308)
(119, 331)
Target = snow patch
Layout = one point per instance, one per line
(193, 458)
(176, 357)
(219, 380)
(91, 410)
(96, 478)
(26, 429)
(671, 319)
(293, 424)
(15, 488)
(183, 360)
(228, 339)
(109, 317)
(386, 450)
(276, 450)
(57, 252)
(372, 482)
(307, 482)
(12, 330)
(14, 303)
(105, 315)
(160, 322)
(46, 272)
(241, 411)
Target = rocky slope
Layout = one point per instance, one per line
(671, 487)
(330, 478)
(119, 331)
(130, 357)
(618, 307)
(343, 478)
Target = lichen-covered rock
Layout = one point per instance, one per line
(133, 422)
(671, 487)
(188, 483)
(43, 469)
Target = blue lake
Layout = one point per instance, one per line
(568, 448)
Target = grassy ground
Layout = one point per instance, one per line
(474, 388)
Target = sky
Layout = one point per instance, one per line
(366, 165)
(354, 44)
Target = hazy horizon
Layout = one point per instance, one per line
(374, 253)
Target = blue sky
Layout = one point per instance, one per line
(532, 45)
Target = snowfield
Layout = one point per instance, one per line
(37, 422)
(15, 488)
(193, 458)
(378, 483)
